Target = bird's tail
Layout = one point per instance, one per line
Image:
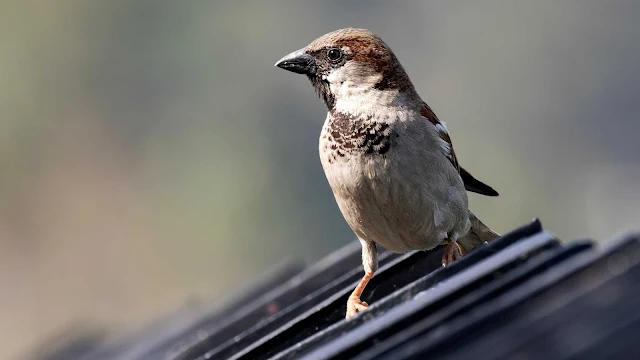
(478, 234)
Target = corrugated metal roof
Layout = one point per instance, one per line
(525, 296)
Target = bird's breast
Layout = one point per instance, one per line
(346, 137)
(408, 197)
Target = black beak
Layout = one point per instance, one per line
(298, 62)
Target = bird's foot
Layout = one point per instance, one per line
(354, 306)
(452, 252)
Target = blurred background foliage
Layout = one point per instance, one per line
(150, 151)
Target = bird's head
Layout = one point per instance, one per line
(350, 65)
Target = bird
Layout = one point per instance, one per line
(387, 157)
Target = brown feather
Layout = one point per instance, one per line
(470, 183)
(431, 116)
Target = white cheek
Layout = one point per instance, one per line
(337, 76)
(353, 86)
(352, 80)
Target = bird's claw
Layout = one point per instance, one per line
(354, 306)
(452, 252)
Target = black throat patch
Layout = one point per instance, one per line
(347, 134)
(322, 89)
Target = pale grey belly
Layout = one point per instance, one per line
(397, 204)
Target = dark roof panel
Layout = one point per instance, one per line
(526, 295)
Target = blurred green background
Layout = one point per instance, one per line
(151, 153)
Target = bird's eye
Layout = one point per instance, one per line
(334, 54)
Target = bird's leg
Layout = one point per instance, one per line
(354, 304)
(452, 252)
(370, 264)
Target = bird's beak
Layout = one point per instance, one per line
(298, 62)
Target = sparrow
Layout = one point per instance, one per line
(388, 158)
